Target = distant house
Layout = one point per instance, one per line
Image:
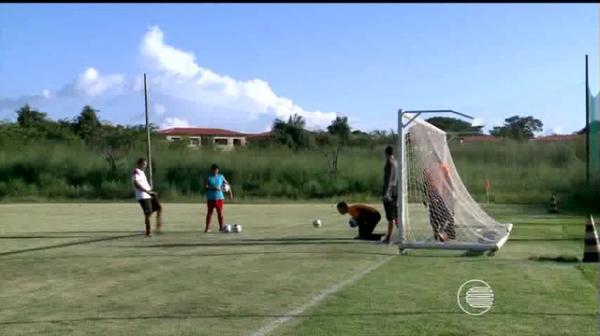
(548, 138)
(224, 139)
(258, 136)
(558, 137)
(479, 139)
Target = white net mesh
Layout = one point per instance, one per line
(438, 207)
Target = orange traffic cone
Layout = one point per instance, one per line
(591, 248)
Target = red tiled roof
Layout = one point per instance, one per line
(258, 136)
(480, 138)
(193, 131)
(558, 137)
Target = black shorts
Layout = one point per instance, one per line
(366, 225)
(149, 205)
(391, 208)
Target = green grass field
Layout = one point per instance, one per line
(85, 269)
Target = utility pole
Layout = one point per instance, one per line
(148, 146)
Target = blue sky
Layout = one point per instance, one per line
(239, 66)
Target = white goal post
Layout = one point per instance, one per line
(435, 209)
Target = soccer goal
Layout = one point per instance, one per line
(435, 209)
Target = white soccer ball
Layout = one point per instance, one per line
(227, 228)
(317, 223)
(237, 228)
(226, 187)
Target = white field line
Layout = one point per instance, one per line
(267, 328)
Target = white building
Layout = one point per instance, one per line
(221, 138)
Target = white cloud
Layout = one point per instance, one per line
(554, 130)
(159, 109)
(180, 77)
(477, 122)
(498, 123)
(138, 84)
(174, 122)
(91, 83)
(188, 93)
(167, 58)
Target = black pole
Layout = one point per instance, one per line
(148, 149)
(587, 123)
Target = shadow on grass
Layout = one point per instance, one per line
(201, 255)
(42, 248)
(561, 258)
(534, 239)
(262, 316)
(45, 237)
(258, 242)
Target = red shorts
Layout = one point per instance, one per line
(215, 204)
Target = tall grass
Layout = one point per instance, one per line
(519, 172)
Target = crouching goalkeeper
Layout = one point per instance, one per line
(363, 216)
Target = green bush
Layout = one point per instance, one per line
(519, 172)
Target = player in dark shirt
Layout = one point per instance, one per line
(390, 191)
(366, 219)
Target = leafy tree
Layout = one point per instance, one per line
(454, 125)
(330, 146)
(361, 139)
(87, 124)
(291, 133)
(28, 117)
(113, 143)
(380, 137)
(518, 128)
(340, 128)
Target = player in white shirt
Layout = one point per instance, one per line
(146, 197)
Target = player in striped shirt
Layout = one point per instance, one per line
(437, 187)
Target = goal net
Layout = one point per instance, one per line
(435, 208)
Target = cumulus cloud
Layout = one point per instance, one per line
(138, 84)
(477, 122)
(91, 83)
(554, 130)
(179, 76)
(174, 122)
(188, 93)
(9, 104)
(498, 123)
(159, 109)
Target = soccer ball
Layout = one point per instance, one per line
(226, 187)
(237, 228)
(352, 222)
(226, 228)
(317, 223)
